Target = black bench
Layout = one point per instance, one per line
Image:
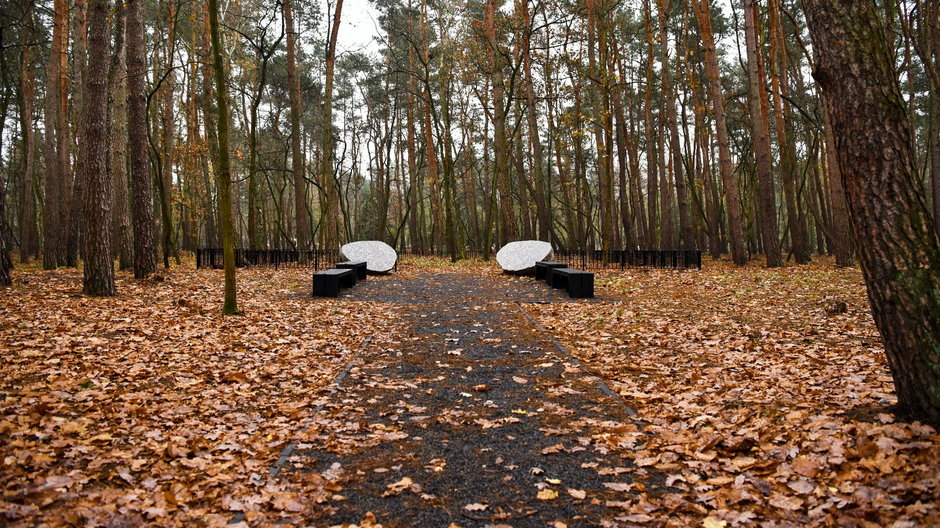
(327, 283)
(543, 269)
(580, 284)
(359, 267)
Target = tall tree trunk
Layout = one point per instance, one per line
(599, 98)
(842, 242)
(6, 88)
(56, 145)
(796, 218)
(98, 260)
(117, 164)
(5, 264)
(168, 143)
(415, 228)
(433, 176)
(652, 180)
(621, 135)
(145, 254)
(224, 176)
(27, 92)
(901, 255)
(935, 155)
(450, 205)
(501, 143)
(331, 221)
(209, 116)
(51, 173)
(735, 223)
(297, 155)
(757, 104)
(538, 163)
(75, 206)
(564, 181)
(669, 100)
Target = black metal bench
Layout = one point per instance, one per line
(543, 269)
(359, 267)
(580, 284)
(327, 283)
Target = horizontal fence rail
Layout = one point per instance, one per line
(270, 258)
(630, 258)
(575, 258)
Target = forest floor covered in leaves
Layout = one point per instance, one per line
(758, 402)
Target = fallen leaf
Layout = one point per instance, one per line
(547, 494)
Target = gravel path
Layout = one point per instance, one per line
(474, 418)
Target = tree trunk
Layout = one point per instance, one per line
(145, 254)
(796, 219)
(117, 164)
(735, 223)
(209, 116)
(501, 143)
(538, 163)
(564, 181)
(652, 180)
(98, 259)
(669, 99)
(56, 143)
(841, 239)
(761, 136)
(74, 208)
(599, 88)
(415, 228)
(297, 156)
(27, 92)
(330, 211)
(5, 264)
(873, 137)
(224, 176)
(168, 143)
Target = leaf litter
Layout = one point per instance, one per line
(758, 403)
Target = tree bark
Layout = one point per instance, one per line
(761, 137)
(331, 221)
(596, 45)
(224, 176)
(796, 218)
(874, 144)
(168, 143)
(728, 178)
(501, 143)
(297, 155)
(117, 162)
(98, 269)
(841, 238)
(669, 99)
(538, 162)
(652, 180)
(145, 254)
(74, 208)
(5, 264)
(27, 92)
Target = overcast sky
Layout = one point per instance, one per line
(359, 26)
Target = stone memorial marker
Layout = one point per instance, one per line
(521, 256)
(378, 256)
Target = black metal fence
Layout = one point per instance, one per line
(630, 259)
(270, 258)
(576, 258)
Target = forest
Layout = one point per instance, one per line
(790, 378)
(603, 125)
